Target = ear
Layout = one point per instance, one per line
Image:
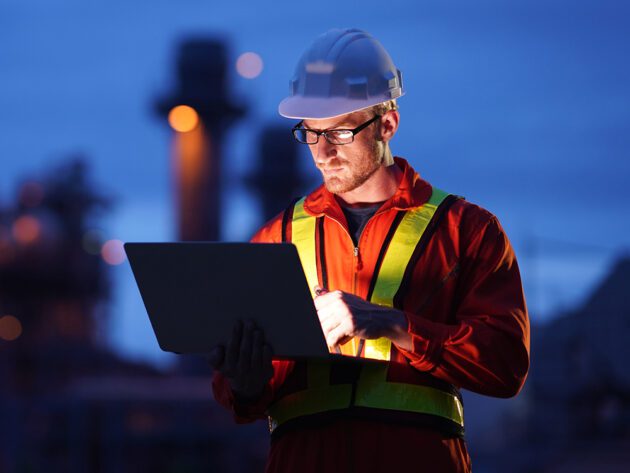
(389, 125)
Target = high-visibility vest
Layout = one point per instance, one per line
(371, 389)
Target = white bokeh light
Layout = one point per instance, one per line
(249, 65)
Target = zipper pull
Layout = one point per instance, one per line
(358, 257)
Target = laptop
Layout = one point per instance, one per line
(195, 291)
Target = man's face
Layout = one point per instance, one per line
(346, 167)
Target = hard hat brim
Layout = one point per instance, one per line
(310, 108)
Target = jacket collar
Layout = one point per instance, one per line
(412, 192)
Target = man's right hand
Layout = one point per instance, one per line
(246, 362)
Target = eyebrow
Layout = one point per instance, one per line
(335, 125)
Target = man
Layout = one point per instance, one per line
(401, 272)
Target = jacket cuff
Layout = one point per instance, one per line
(249, 410)
(427, 339)
(244, 411)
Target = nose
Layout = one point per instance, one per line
(323, 150)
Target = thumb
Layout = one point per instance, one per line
(216, 356)
(318, 290)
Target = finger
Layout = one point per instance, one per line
(336, 311)
(257, 350)
(325, 313)
(318, 290)
(245, 352)
(344, 340)
(216, 357)
(327, 299)
(338, 336)
(232, 354)
(328, 321)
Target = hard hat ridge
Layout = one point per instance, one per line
(343, 71)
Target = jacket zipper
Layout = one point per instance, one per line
(356, 255)
(357, 267)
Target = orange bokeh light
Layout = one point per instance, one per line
(10, 328)
(183, 118)
(26, 229)
(249, 65)
(113, 252)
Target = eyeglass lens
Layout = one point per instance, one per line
(335, 137)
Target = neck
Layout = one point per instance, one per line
(378, 188)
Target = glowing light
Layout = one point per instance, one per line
(10, 328)
(249, 65)
(113, 252)
(92, 241)
(183, 118)
(31, 194)
(26, 229)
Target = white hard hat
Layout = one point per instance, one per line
(343, 71)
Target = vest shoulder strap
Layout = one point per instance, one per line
(303, 237)
(401, 247)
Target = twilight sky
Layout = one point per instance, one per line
(523, 107)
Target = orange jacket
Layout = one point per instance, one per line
(465, 305)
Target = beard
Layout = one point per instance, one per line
(348, 179)
(352, 174)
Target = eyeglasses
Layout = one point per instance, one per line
(334, 137)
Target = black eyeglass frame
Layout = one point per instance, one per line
(318, 133)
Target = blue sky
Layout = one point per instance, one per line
(522, 106)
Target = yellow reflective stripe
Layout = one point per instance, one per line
(401, 247)
(379, 349)
(303, 237)
(311, 401)
(373, 390)
(399, 252)
(319, 396)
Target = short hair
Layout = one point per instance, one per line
(383, 107)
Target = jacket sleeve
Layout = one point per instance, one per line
(486, 348)
(251, 411)
(244, 412)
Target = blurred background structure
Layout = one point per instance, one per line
(68, 402)
(200, 111)
(522, 107)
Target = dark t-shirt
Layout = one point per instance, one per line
(357, 217)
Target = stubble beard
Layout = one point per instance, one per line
(358, 174)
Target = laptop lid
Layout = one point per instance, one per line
(195, 291)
